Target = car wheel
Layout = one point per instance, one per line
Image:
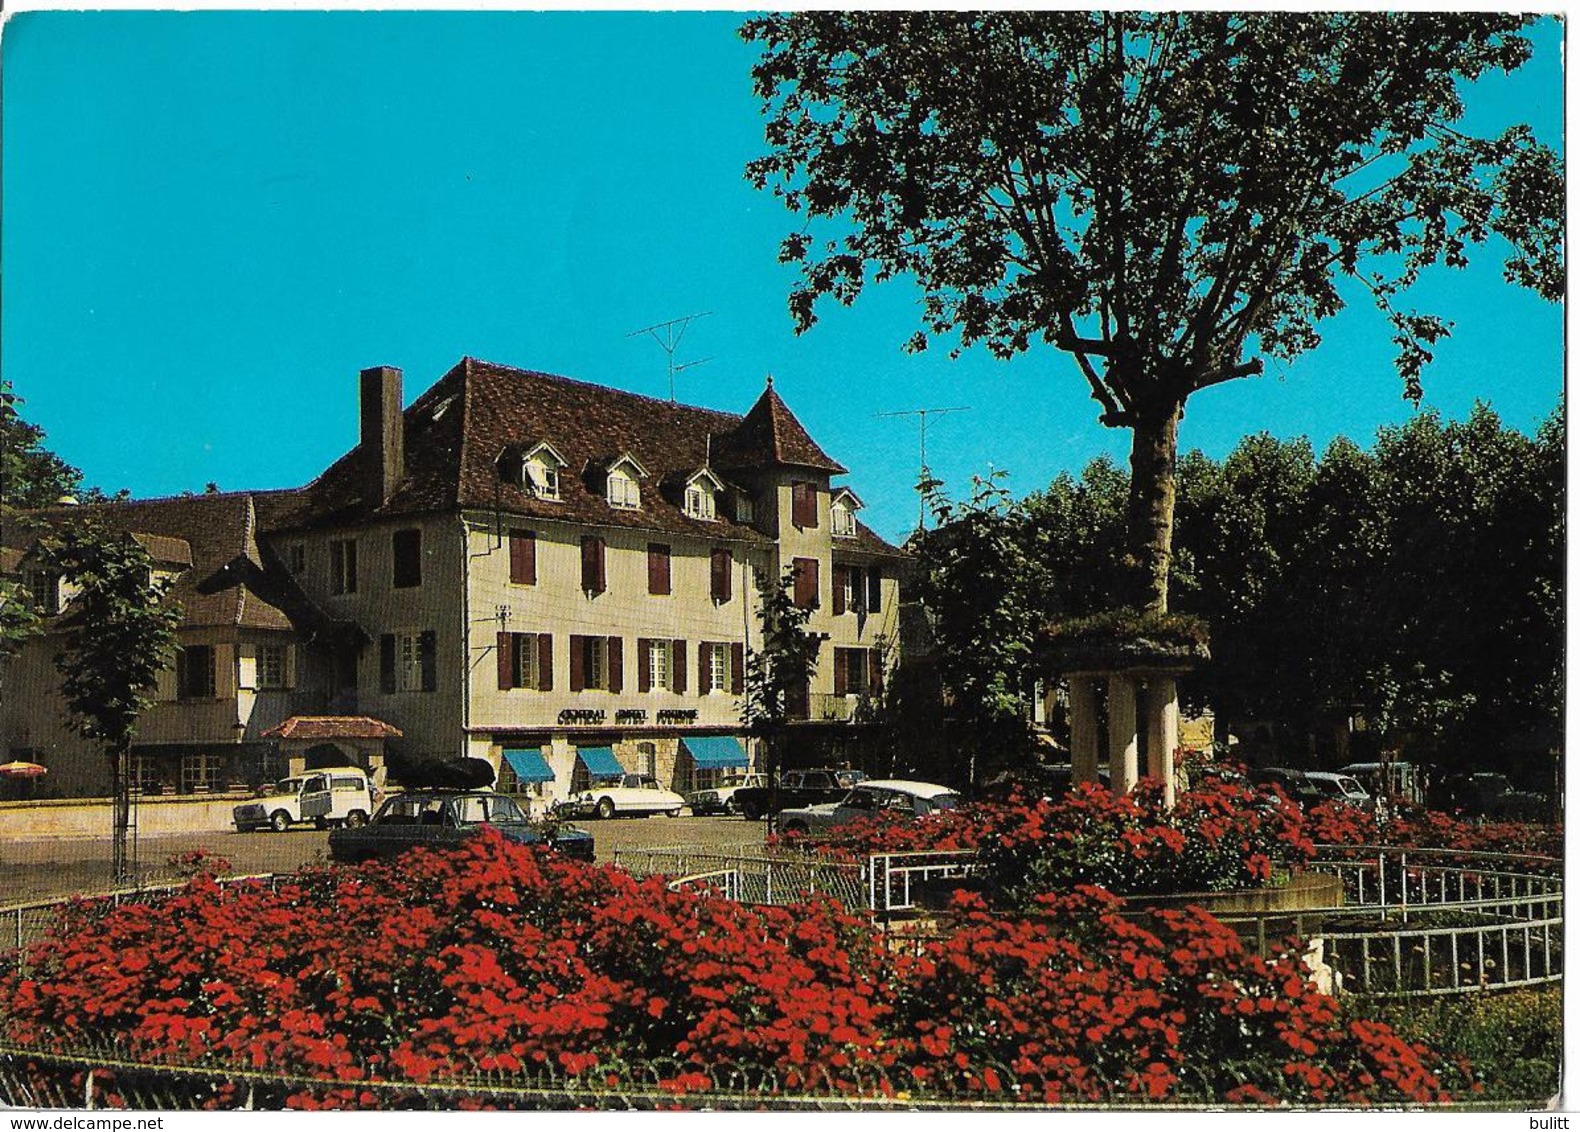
(672, 813)
(280, 821)
(605, 808)
(729, 808)
(356, 818)
(320, 823)
(795, 827)
(750, 812)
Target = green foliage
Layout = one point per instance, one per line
(1513, 1039)
(1161, 195)
(18, 619)
(30, 474)
(119, 632)
(975, 578)
(778, 671)
(1417, 584)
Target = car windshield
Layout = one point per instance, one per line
(1350, 786)
(488, 809)
(288, 786)
(849, 777)
(944, 801)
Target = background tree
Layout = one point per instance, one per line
(778, 671)
(976, 580)
(30, 474)
(119, 634)
(1416, 585)
(1160, 195)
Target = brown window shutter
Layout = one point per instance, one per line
(428, 653)
(841, 678)
(644, 665)
(524, 558)
(578, 662)
(803, 504)
(592, 564)
(704, 659)
(874, 672)
(545, 662)
(504, 643)
(874, 590)
(616, 666)
(737, 669)
(677, 666)
(657, 568)
(723, 567)
(806, 589)
(841, 574)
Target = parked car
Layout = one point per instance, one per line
(720, 799)
(628, 794)
(1343, 788)
(1393, 779)
(339, 795)
(446, 817)
(883, 795)
(798, 788)
(1491, 795)
(1310, 787)
(1044, 780)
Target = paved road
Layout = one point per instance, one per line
(34, 870)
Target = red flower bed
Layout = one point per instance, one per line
(1220, 836)
(1412, 827)
(490, 958)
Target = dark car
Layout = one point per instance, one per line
(445, 817)
(797, 788)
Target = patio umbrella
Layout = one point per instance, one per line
(18, 769)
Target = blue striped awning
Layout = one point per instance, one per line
(529, 765)
(600, 761)
(716, 752)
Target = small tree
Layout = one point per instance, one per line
(975, 581)
(120, 633)
(777, 673)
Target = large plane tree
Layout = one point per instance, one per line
(1168, 198)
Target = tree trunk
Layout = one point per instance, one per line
(1153, 450)
(121, 784)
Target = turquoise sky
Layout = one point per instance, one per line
(212, 221)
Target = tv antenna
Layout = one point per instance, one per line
(921, 416)
(668, 336)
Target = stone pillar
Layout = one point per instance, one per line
(1122, 742)
(1163, 732)
(1083, 729)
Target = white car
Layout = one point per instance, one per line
(882, 795)
(337, 796)
(628, 794)
(721, 798)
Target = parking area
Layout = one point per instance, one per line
(34, 870)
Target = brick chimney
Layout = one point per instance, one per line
(383, 432)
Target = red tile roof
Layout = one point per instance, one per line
(332, 727)
(456, 432)
(228, 582)
(770, 434)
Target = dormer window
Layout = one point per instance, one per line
(842, 513)
(701, 496)
(699, 502)
(540, 471)
(543, 480)
(745, 509)
(623, 490)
